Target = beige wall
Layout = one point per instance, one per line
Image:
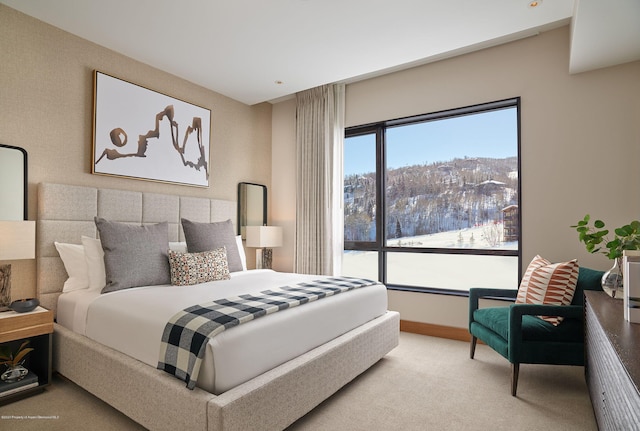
(46, 106)
(283, 190)
(580, 143)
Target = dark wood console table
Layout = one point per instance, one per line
(612, 363)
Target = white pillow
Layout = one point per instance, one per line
(94, 256)
(243, 257)
(72, 256)
(179, 247)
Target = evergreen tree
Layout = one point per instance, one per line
(398, 229)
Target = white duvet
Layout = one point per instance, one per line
(132, 321)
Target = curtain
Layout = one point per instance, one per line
(319, 197)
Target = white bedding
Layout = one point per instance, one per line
(132, 321)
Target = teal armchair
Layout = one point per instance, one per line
(522, 338)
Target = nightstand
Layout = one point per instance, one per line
(36, 326)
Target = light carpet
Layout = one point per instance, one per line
(426, 383)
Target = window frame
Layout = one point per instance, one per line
(380, 244)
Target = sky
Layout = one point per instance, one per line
(489, 134)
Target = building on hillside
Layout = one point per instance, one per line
(510, 226)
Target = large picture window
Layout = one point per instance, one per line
(433, 201)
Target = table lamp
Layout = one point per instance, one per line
(17, 241)
(264, 238)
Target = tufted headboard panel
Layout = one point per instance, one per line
(65, 213)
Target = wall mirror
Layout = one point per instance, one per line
(252, 206)
(13, 183)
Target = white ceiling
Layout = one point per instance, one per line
(263, 50)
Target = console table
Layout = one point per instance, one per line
(612, 363)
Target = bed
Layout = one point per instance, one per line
(261, 400)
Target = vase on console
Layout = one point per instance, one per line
(612, 282)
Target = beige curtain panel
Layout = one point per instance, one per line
(319, 200)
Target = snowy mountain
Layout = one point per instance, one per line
(431, 198)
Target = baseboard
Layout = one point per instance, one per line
(453, 333)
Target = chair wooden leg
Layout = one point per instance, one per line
(472, 349)
(515, 368)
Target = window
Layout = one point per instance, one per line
(432, 201)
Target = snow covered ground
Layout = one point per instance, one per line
(458, 272)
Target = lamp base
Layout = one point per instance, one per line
(5, 286)
(267, 258)
(264, 258)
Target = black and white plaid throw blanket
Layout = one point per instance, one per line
(186, 334)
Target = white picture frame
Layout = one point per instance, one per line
(141, 134)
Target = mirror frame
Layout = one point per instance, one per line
(25, 177)
(242, 210)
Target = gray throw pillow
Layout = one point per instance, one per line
(210, 236)
(134, 255)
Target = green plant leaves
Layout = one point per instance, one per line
(624, 230)
(626, 237)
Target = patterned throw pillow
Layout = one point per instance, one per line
(193, 268)
(548, 283)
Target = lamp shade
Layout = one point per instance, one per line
(264, 236)
(17, 240)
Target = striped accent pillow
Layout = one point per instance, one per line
(548, 283)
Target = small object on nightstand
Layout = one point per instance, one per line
(30, 380)
(18, 242)
(24, 305)
(14, 360)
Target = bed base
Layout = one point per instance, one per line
(271, 401)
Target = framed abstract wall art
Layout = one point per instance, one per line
(142, 134)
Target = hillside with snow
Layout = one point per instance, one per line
(463, 197)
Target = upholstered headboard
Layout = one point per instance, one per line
(65, 213)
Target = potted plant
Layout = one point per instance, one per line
(594, 237)
(13, 360)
